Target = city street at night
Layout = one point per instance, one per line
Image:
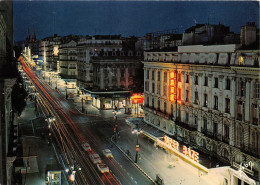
(129, 92)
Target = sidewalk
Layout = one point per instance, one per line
(154, 160)
(37, 154)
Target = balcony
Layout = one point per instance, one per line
(226, 140)
(250, 151)
(185, 125)
(204, 131)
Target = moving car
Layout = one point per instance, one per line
(86, 147)
(102, 168)
(107, 153)
(95, 158)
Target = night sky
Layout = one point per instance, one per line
(126, 17)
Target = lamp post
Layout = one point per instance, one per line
(72, 172)
(50, 78)
(66, 90)
(137, 131)
(82, 107)
(56, 83)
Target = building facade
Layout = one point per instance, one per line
(6, 83)
(207, 97)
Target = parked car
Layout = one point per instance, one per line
(102, 168)
(86, 147)
(95, 158)
(107, 153)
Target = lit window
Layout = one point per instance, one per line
(240, 60)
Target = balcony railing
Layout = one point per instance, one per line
(250, 150)
(185, 125)
(225, 140)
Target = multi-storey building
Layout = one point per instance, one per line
(7, 81)
(92, 46)
(112, 77)
(208, 98)
(68, 60)
(48, 51)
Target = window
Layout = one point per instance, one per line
(257, 92)
(152, 75)
(227, 107)
(147, 74)
(165, 76)
(215, 103)
(165, 107)
(240, 135)
(152, 103)
(159, 88)
(147, 86)
(205, 124)
(196, 100)
(187, 95)
(205, 100)
(147, 101)
(255, 141)
(226, 131)
(153, 88)
(195, 120)
(242, 88)
(179, 77)
(158, 105)
(165, 90)
(187, 78)
(206, 81)
(216, 83)
(172, 110)
(227, 84)
(215, 128)
(196, 80)
(187, 117)
(254, 114)
(240, 110)
(159, 76)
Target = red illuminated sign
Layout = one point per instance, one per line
(185, 151)
(137, 98)
(190, 153)
(172, 86)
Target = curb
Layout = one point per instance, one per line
(137, 166)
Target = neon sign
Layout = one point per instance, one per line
(190, 153)
(172, 144)
(172, 86)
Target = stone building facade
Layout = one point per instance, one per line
(207, 97)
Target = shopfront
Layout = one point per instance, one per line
(110, 100)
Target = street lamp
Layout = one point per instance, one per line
(82, 107)
(56, 83)
(50, 78)
(137, 131)
(72, 173)
(66, 90)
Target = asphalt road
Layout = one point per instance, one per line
(71, 128)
